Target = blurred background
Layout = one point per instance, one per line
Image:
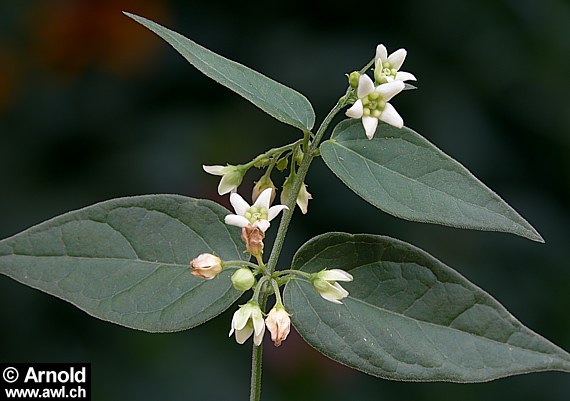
(93, 107)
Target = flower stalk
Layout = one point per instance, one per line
(309, 155)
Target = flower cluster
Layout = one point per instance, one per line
(248, 320)
(371, 104)
(372, 97)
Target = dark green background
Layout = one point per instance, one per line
(93, 107)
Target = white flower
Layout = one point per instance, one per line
(231, 177)
(372, 104)
(386, 68)
(278, 323)
(325, 282)
(206, 266)
(259, 215)
(248, 320)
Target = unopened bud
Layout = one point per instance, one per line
(286, 190)
(353, 79)
(279, 324)
(282, 164)
(206, 266)
(261, 185)
(243, 279)
(253, 238)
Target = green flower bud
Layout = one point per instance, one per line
(353, 79)
(282, 164)
(243, 279)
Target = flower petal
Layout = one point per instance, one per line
(335, 275)
(258, 322)
(243, 334)
(391, 116)
(341, 291)
(390, 89)
(381, 53)
(370, 124)
(241, 316)
(405, 76)
(227, 184)
(356, 110)
(330, 298)
(264, 198)
(274, 211)
(397, 58)
(262, 224)
(239, 204)
(303, 199)
(365, 86)
(215, 170)
(258, 338)
(235, 220)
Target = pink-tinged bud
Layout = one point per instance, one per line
(279, 324)
(253, 238)
(206, 266)
(260, 186)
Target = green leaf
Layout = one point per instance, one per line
(403, 174)
(278, 100)
(127, 260)
(410, 317)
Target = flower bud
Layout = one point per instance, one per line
(243, 279)
(282, 164)
(298, 156)
(261, 185)
(279, 324)
(303, 199)
(206, 266)
(325, 282)
(286, 189)
(353, 79)
(253, 238)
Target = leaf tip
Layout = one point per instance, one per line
(535, 236)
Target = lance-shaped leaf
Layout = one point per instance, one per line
(278, 100)
(405, 175)
(410, 317)
(127, 260)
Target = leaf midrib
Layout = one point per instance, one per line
(296, 118)
(417, 321)
(336, 143)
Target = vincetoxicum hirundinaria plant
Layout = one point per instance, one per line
(164, 263)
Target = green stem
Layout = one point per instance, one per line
(243, 263)
(278, 301)
(257, 351)
(272, 152)
(256, 358)
(296, 187)
(293, 272)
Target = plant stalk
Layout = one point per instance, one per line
(296, 187)
(256, 358)
(257, 351)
